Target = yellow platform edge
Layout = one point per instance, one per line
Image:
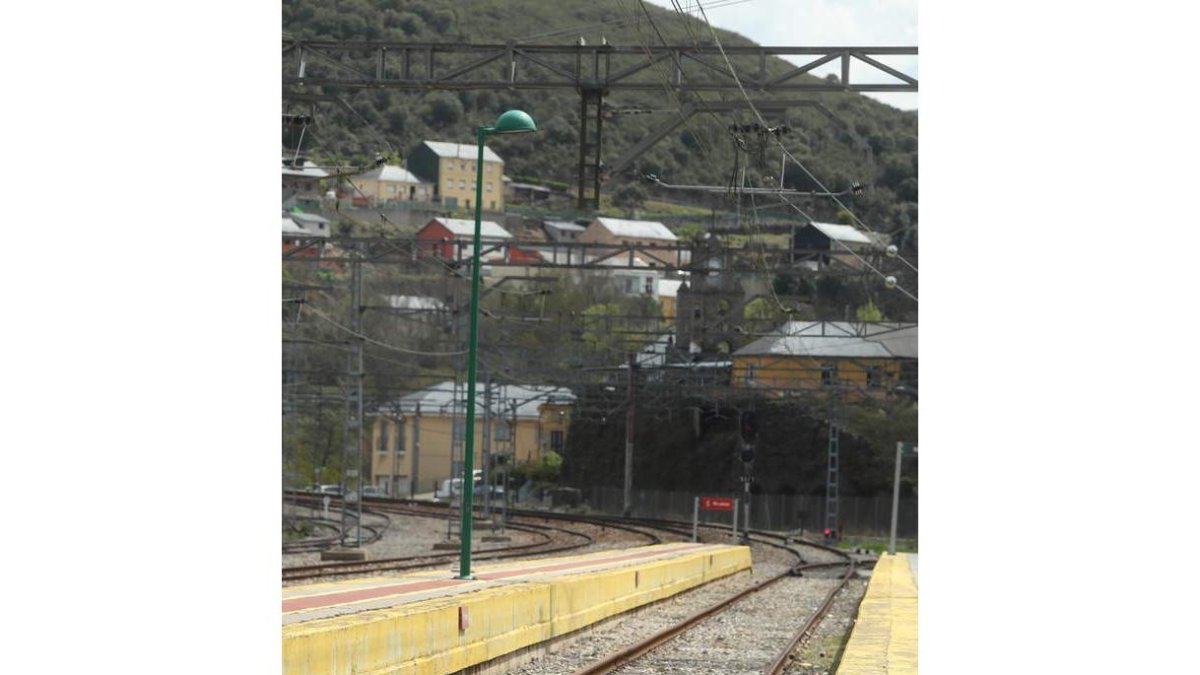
(884, 639)
(422, 638)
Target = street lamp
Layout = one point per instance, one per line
(511, 122)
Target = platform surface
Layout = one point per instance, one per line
(884, 639)
(432, 622)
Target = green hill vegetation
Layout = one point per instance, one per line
(872, 143)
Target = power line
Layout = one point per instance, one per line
(737, 80)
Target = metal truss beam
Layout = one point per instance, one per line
(693, 107)
(594, 72)
(424, 66)
(682, 257)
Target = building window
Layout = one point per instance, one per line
(874, 376)
(504, 431)
(556, 441)
(400, 437)
(462, 185)
(751, 372)
(828, 374)
(383, 437)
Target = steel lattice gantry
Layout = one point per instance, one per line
(592, 70)
(678, 257)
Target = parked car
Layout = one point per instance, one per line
(368, 491)
(452, 487)
(328, 489)
(448, 488)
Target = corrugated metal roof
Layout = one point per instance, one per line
(389, 173)
(842, 233)
(645, 229)
(439, 400)
(901, 342)
(565, 226)
(290, 226)
(310, 170)
(837, 339)
(466, 228)
(307, 218)
(460, 151)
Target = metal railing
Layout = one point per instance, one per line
(861, 516)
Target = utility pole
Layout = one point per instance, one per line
(512, 429)
(629, 427)
(456, 460)
(487, 446)
(352, 457)
(415, 484)
(393, 479)
(831, 483)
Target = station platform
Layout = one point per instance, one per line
(432, 622)
(884, 639)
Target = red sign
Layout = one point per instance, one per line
(716, 504)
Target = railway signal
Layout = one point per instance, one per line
(749, 426)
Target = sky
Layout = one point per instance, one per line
(823, 23)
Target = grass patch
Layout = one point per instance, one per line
(296, 530)
(657, 208)
(879, 545)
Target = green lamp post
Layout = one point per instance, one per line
(511, 122)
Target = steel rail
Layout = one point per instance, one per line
(410, 562)
(785, 656)
(618, 659)
(332, 569)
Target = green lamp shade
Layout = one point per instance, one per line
(514, 122)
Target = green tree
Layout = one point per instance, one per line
(868, 312)
(598, 324)
(630, 197)
(442, 109)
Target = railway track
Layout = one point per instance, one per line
(553, 539)
(332, 534)
(763, 615)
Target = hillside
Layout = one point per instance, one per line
(877, 147)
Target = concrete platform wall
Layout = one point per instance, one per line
(424, 637)
(884, 640)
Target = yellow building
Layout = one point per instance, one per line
(416, 442)
(388, 183)
(668, 294)
(450, 167)
(829, 356)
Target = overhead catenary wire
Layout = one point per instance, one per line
(780, 192)
(373, 341)
(762, 121)
(611, 23)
